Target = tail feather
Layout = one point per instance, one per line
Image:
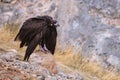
(19, 35)
(16, 38)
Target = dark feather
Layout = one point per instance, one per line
(32, 45)
(37, 30)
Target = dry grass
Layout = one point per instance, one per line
(7, 35)
(89, 69)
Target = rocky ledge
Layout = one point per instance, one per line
(41, 66)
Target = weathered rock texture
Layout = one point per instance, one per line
(41, 66)
(90, 26)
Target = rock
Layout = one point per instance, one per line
(9, 56)
(41, 66)
(46, 60)
(91, 27)
(114, 61)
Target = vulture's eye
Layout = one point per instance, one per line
(51, 24)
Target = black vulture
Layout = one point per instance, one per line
(40, 30)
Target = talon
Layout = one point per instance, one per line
(43, 50)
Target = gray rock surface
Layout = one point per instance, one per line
(38, 68)
(92, 27)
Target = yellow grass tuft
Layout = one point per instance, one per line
(7, 35)
(89, 69)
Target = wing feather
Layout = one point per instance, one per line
(50, 39)
(29, 29)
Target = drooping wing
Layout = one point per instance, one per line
(29, 29)
(50, 39)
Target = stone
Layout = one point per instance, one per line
(39, 67)
(92, 27)
(113, 60)
(47, 60)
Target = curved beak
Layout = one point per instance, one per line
(56, 24)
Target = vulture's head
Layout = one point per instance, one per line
(50, 21)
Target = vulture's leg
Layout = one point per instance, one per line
(31, 46)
